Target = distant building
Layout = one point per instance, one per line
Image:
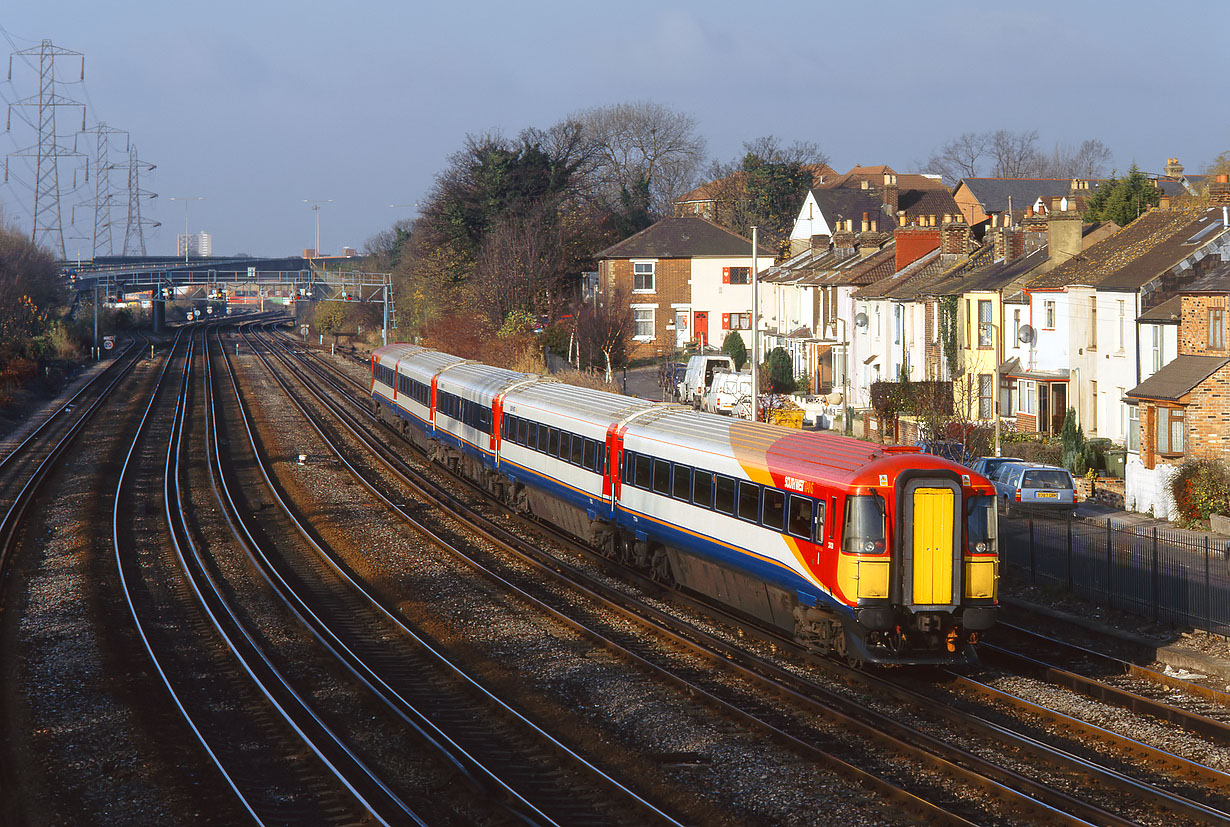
(196, 245)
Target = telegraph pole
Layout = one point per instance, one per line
(755, 338)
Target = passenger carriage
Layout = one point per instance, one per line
(876, 553)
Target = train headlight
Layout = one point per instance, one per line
(867, 547)
(982, 547)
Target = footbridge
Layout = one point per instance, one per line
(217, 282)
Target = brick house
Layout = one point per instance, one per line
(685, 280)
(1184, 408)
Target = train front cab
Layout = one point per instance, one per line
(924, 590)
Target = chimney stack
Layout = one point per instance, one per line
(954, 236)
(819, 242)
(1064, 226)
(866, 225)
(1219, 190)
(1173, 168)
(891, 193)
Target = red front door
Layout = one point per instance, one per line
(700, 327)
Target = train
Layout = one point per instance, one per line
(873, 554)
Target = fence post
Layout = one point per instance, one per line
(1110, 568)
(1069, 564)
(1156, 578)
(1033, 567)
(1208, 589)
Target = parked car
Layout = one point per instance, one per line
(730, 393)
(1029, 486)
(948, 449)
(699, 375)
(987, 466)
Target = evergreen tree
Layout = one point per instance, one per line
(733, 347)
(1123, 200)
(781, 371)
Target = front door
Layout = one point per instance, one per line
(702, 327)
(682, 334)
(1059, 406)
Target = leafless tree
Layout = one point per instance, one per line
(643, 141)
(1016, 154)
(770, 148)
(607, 327)
(960, 158)
(520, 266)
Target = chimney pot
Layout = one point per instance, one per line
(1223, 178)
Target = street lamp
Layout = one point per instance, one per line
(316, 210)
(846, 425)
(186, 199)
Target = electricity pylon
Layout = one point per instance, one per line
(134, 231)
(48, 229)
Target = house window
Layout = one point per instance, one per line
(1217, 329)
(968, 338)
(642, 323)
(1093, 323)
(1122, 317)
(898, 312)
(740, 321)
(878, 328)
(1168, 433)
(1093, 413)
(1028, 395)
(986, 402)
(1016, 326)
(1133, 428)
(1159, 355)
(642, 276)
(984, 323)
(1050, 315)
(737, 275)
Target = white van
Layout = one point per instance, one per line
(730, 393)
(699, 375)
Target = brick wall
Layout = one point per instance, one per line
(671, 286)
(915, 242)
(1194, 324)
(1208, 417)
(1026, 423)
(933, 352)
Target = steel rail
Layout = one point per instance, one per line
(1193, 809)
(616, 601)
(362, 589)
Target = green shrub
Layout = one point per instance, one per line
(734, 347)
(1200, 488)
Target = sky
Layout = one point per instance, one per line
(256, 107)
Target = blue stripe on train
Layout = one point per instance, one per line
(636, 522)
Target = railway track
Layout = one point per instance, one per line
(1152, 801)
(505, 756)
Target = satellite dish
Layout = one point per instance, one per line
(1026, 334)
(860, 320)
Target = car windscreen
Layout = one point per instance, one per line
(1043, 478)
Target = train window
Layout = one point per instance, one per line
(531, 435)
(565, 445)
(832, 516)
(702, 489)
(773, 511)
(724, 498)
(629, 461)
(865, 529)
(749, 501)
(643, 472)
(591, 455)
(662, 477)
(553, 442)
(578, 450)
(544, 438)
(683, 483)
(799, 522)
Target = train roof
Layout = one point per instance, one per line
(398, 350)
(480, 378)
(594, 406)
(829, 458)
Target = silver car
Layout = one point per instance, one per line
(1023, 487)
